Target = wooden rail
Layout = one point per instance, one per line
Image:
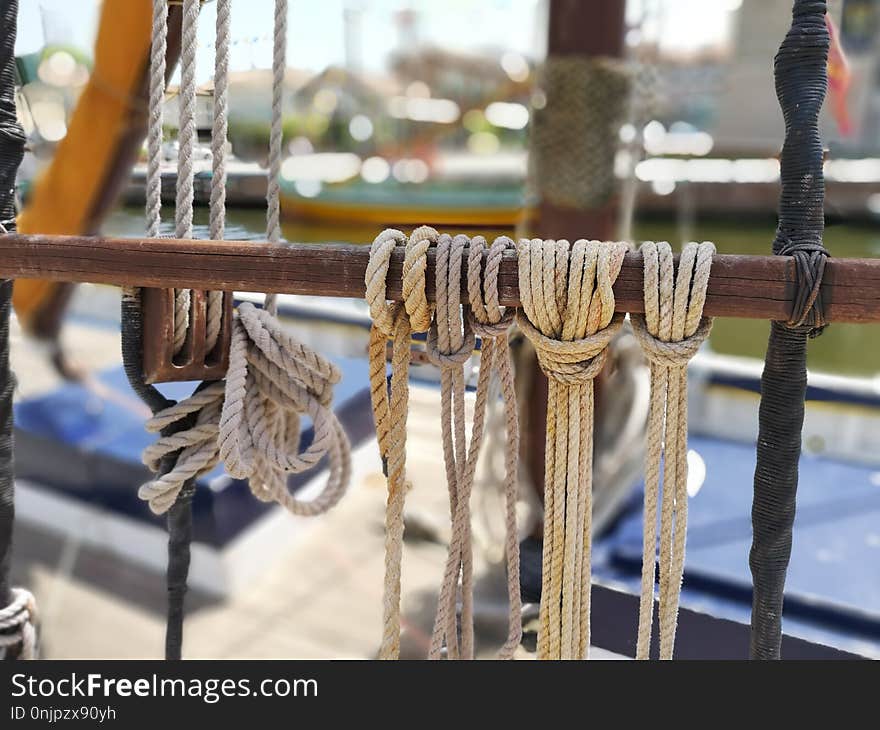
(757, 287)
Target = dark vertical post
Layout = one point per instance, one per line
(577, 30)
(11, 151)
(801, 81)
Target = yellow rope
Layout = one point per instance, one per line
(568, 314)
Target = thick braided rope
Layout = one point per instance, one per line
(186, 136)
(450, 344)
(273, 380)
(197, 446)
(217, 214)
(801, 68)
(273, 188)
(18, 623)
(492, 324)
(390, 409)
(252, 421)
(670, 333)
(158, 47)
(568, 314)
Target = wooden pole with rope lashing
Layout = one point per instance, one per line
(741, 286)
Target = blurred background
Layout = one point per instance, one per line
(386, 99)
(401, 112)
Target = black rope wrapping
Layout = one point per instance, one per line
(179, 517)
(801, 82)
(12, 141)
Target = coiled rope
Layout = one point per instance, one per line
(568, 314)
(670, 333)
(18, 623)
(251, 421)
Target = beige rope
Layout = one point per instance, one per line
(568, 314)
(670, 333)
(491, 324)
(450, 344)
(390, 410)
(18, 624)
(252, 421)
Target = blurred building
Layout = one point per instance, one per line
(748, 120)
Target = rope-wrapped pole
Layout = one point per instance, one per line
(11, 151)
(801, 82)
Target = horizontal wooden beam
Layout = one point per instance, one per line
(757, 287)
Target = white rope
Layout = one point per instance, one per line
(252, 419)
(273, 190)
(670, 333)
(154, 132)
(214, 304)
(18, 624)
(186, 136)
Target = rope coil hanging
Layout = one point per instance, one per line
(492, 324)
(450, 344)
(251, 421)
(395, 321)
(670, 333)
(568, 314)
(801, 82)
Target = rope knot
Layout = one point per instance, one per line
(273, 380)
(669, 354)
(18, 623)
(485, 330)
(415, 264)
(810, 256)
(574, 362)
(194, 449)
(568, 305)
(485, 317)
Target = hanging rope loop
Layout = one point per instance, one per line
(568, 314)
(492, 323)
(670, 332)
(18, 623)
(574, 362)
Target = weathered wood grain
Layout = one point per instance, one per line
(756, 287)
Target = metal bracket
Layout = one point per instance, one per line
(193, 362)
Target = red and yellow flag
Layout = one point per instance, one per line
(839, 80)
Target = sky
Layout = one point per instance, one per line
(315, 28)
(316, 36)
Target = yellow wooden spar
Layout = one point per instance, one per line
(103, 136)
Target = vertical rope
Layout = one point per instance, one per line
(450, 344)
(390, 409)
(273, 189)
(492, 324)
(214, 304)
(670, 333)
(186, 136)
(568, 314)
(158, 48)
(801, 83)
